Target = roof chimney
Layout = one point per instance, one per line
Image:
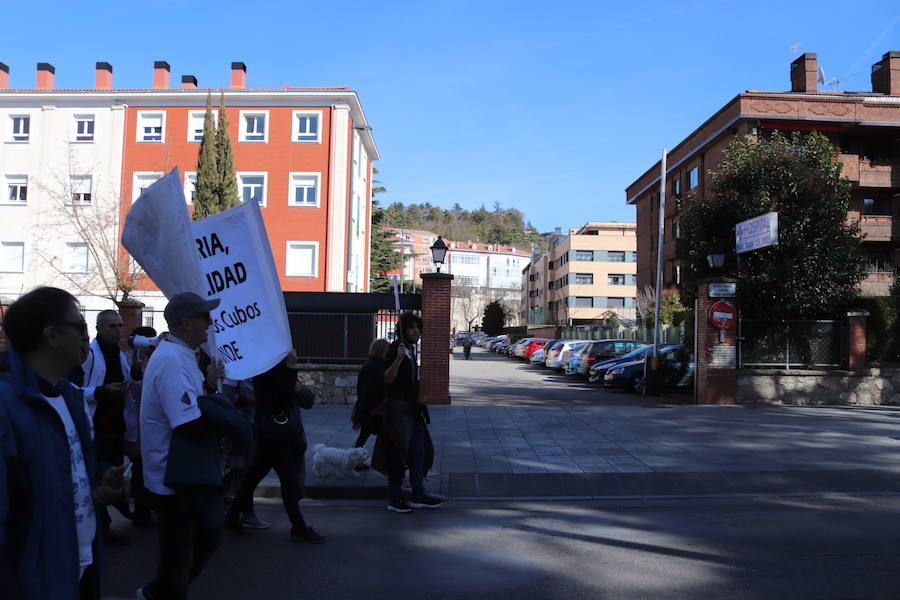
(161, 75)
(188, 82)
(4, 76)
(103, 76)
(238, 75)
(45, 76)
(886, 74)
(805, 72)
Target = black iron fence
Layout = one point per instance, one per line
(339, 338)
(791, 344)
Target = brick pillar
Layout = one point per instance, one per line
(716, 360)
(435, 371)
(132, 316)
(856, 339)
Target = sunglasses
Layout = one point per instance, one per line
(80, 326)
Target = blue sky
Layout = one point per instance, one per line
(552, 108)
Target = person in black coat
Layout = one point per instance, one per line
(369, 392)
(280, 444)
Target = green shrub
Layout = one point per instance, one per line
(882, 336)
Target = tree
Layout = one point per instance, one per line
(818, 262)
(670, 305)
(228, 192)
(382, 258)
(494, 318)
(206, 199)
(110, 272)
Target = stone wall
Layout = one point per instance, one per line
(868, 387)
(332, 384)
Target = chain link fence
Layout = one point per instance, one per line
(791, 344)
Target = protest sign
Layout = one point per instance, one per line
(236, 266)
(225, 256)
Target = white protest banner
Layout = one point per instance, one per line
(157, 233)
(236, 266)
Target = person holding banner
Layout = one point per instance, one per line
(404, 441)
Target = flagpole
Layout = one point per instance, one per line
(660, 239)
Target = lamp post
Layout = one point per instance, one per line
(438, 253)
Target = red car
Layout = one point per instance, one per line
(533, 346)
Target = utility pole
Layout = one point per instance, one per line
(651, 362)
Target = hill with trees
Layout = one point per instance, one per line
(505, 226)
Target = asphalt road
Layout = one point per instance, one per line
(766, 549)
(487, 379)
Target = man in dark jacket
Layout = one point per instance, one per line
(49, 536)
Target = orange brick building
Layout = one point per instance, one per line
(864, 125)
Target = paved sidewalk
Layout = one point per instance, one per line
(598, 451)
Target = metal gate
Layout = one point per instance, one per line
(792, 344)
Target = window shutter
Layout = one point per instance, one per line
(599, 255)
(599, 301)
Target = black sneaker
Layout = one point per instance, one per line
(144, 593)
(427, 501)
(306, 535)
(399, 506)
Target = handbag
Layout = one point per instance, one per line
(287, 425)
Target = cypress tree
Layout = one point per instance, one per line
(206, 200)
(228, 192)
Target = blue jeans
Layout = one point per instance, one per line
(414, 438)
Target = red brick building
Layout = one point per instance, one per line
(864, 125)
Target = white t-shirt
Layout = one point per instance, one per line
(169, 393)
(85, 521)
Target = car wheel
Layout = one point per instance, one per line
(636, 384)
(593, 378)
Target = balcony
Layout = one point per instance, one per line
(877, 228)
(877, 284)
(870, 173)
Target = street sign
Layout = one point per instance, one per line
(722, 290)
(757, 232)
(722, 315)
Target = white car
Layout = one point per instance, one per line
(566, 355)
(553, 357)
(519, 348)
(537, 358)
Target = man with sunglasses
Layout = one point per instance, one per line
(189, 529)
(49, 534)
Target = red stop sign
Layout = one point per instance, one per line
(722, 315)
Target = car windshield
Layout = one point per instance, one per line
(637, 353)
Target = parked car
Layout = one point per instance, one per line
(676, 365)
(553, 358)
(533, 346)
(500, 340)
(519, 351)
(604, 349)
(567, 355)
(598, 370)
(572, 364)
(537, 358)
(505, 349)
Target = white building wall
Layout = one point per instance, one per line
(357, 249)
(49, 158)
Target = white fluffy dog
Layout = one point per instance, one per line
(338, 461)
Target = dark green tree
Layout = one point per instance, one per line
(382, 258)
(494, 318)
(818, 262)
(228, 193)
(206, 199)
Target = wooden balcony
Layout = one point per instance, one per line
(869, 173)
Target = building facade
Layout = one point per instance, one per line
(865, 126)
(588, 276)
(304, 154)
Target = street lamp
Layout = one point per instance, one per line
(715, 257)
(438, 252)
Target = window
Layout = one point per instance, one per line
(75, 259)
(252, 186)
(615, 256)
(584, 278)
(84, 128)
(302, 259)
(615, 303)
(196, 119)
(877, 207)
(584, 302)
(19, 128)
(676, 186)
(465, 259)
(693, 178)
(304, 189)
(254, 126)
(584, 255)
(467, 280)
(141, 182)
(12, 257)
(190, 187)
(151, 126)
(878, 261)
(307, 125)
(81, 189)
(615, 279)
(16, 189)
